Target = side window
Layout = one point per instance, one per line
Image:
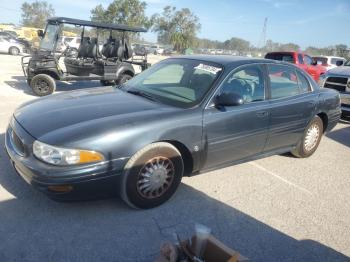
(247, 82)
(303, 83)
(170, 74)
(283, 81)
(308, 60)
(300, 59)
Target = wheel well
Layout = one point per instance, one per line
(324, 119)
(50, 73)
(127, 72)
(185, 154)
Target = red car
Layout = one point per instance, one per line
(301, 60)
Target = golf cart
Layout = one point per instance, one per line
(103, 54)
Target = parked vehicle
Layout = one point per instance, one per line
(11, 46)
(339, 79)
(156, 49)
(72, 41)
(328, 62)
(301, 60)
(12, 36)
(182, 116)
(110, 65)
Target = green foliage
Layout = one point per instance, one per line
(36, 13)
(176, 27)
(126, 12)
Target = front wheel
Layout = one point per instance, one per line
(14, 51)
(43, 85)
(152, 176)
(310, 140)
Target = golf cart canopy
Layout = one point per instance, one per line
(65, 20)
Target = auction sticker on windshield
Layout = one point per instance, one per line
(208, 68)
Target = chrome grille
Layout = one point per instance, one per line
(337, 83)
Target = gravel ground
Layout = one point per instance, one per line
(274, 209)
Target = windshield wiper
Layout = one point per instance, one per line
(140, 93)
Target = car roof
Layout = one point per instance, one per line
(227, 59)
(73, 21)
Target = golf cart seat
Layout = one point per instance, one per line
(87, 55)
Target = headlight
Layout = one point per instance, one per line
(64, 156)
(322, 80)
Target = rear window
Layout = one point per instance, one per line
(280, 57)
(335, 60)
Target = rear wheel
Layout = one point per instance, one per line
(123, 78)
(152, 176)
(311, 139)
(14, 51)
(43, 85)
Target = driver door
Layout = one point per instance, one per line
(233, 133)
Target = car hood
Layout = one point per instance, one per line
(91, 109)
(341, 70)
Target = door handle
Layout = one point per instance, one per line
(262, 114)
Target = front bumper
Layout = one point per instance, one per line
(345, 103)
(85, 182)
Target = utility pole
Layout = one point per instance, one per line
(262, 40)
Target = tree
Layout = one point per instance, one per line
(126, 12)
(237, 44)
(342, 50)
(36, 13)
(176, 27)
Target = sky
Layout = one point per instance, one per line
(317, 23)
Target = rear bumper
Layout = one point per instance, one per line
(84, 182)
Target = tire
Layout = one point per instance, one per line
(159, 165)
(14, 51)
(43, 85)
(123, 78)
(309, 143)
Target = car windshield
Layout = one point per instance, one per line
(347, 63)
(176, 82)
(49, 39)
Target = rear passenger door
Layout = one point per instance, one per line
(292, 105)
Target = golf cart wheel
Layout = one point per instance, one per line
(310, 140)
(152, 176)
(14, 51)
(123, 78)
(43, 85)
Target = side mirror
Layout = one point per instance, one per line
(40, 33)
(339, 63)
(229, 99)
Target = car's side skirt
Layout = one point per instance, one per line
(251, 158)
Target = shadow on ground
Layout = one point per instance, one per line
(20, 83)
(34, 228)
(341, 135)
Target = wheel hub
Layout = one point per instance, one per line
(311, 137)
(155, 177)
